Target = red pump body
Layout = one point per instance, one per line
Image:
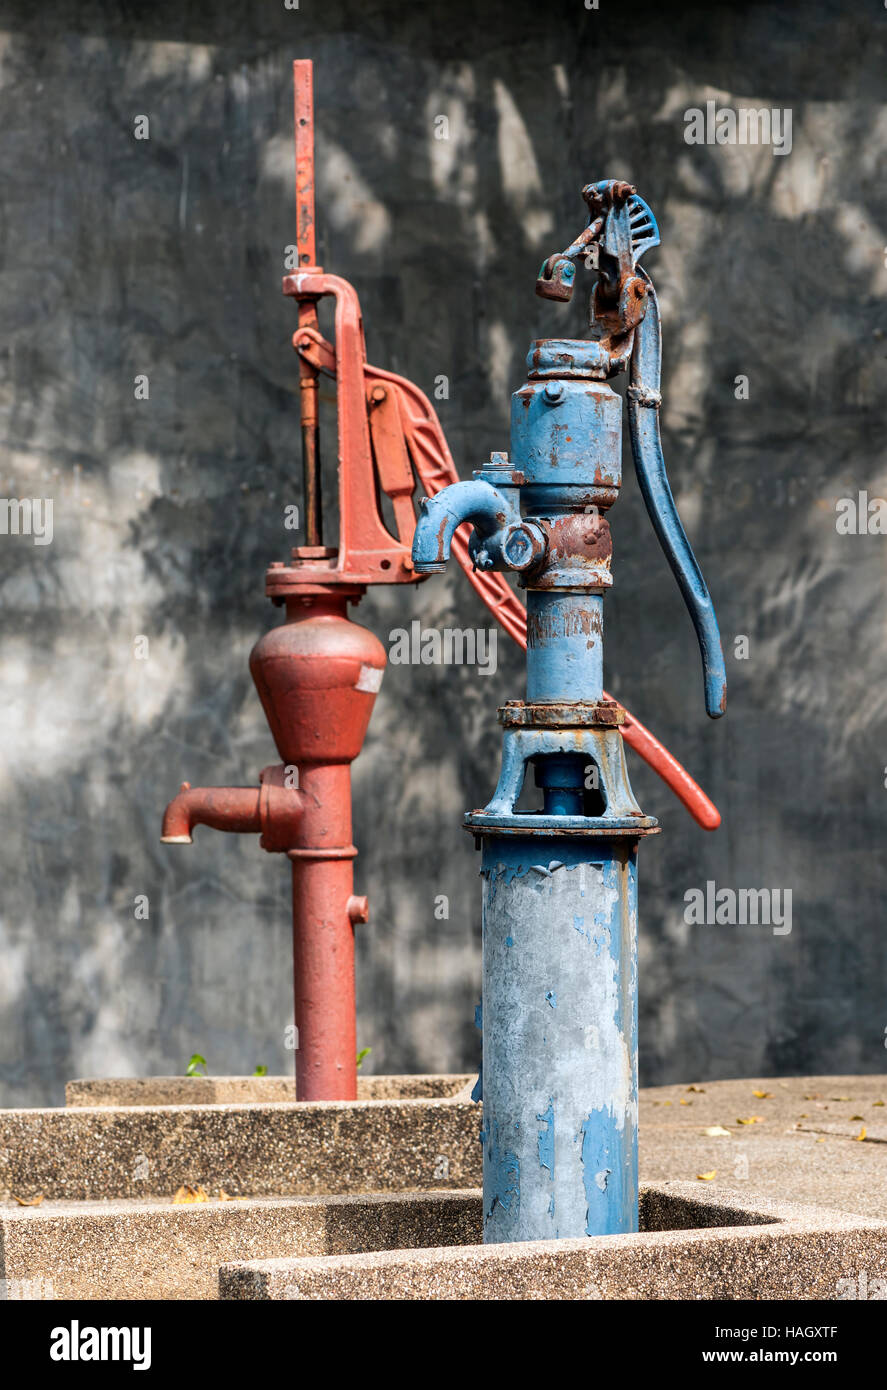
(317, 676)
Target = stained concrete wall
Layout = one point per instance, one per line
(162, 257)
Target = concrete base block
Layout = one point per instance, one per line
(139, 1250)
(692, 1245)
(278, 1150)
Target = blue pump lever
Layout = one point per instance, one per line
(646, 447)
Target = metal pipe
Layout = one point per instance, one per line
(303, 102)
(565, 649)
(484, 506)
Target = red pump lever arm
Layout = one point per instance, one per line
(435, 469)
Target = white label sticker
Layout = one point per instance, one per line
(370, 678)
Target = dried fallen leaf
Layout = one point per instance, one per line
(815, 1095)
(717, 1132)
(820, 1141)
(685, 1102)
(861, 1134)
(751, 1120)
(857, 1117)
(187, 1194)
(877, 1102)
(840, 1097)
(707, 1177)
(666, 1102)
(700, 1090)
(763, 1095)
(29, 1201)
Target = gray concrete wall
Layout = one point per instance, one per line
(163, 257)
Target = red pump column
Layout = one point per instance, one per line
(317, 676)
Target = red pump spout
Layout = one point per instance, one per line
(222, 808)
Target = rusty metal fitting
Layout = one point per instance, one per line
(572, 714)
(524, 546)
(579, 552)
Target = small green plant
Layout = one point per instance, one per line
(195, 1064)
(260, 1071)
(364, 1052)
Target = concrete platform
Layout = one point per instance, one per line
(279, 1150)
(800, 1140)
(692, 1245)
(803, 1145)
(154, 1250)
(107, 1168)
(235, 1090)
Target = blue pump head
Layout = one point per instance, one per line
(625, 315)
(566, 437)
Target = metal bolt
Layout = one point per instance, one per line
(553, 392)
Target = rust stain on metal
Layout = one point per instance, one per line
(543, 626)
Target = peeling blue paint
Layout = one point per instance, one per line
(477, 1090)
(512, 858)
(503, 1167)
(601, 939)
(546, 1138)
(608, 1176)
(551, 997)
(509, 941)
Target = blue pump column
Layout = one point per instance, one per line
(560, 885)
(559, 1037)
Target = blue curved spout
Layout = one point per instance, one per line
(478, 502)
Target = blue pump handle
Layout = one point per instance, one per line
(646, 446)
